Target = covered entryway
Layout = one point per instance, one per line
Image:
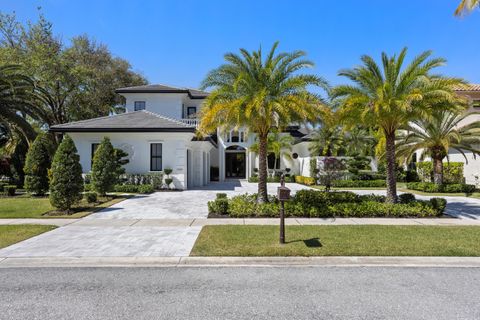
(235, 162)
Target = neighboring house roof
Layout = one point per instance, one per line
(468, 87)
(160, 88)
(138, 121)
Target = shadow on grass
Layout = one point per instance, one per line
(310, 243)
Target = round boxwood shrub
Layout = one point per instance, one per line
(91, 197)
(406, 198)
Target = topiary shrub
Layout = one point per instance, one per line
(439, 204)
(90, 197)
(104, 167)
(218, 206)
(406, 198)
(221, 195)
(168, 182)
(37, 163)
(66, 182)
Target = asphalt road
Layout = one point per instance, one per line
(240, 293)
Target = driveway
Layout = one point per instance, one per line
(190, 204)
(139, 226)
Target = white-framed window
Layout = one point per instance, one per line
(139, 105)
(155, 157)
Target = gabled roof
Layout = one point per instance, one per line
(138, 121)
(468, 87)
(160, 88)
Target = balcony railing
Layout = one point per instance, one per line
(191, 122)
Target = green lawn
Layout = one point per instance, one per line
(11, 234)
(368, 240)
(33, 207)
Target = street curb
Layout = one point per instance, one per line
(424, 262)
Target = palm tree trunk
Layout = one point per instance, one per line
(262, 169)
(437, 171)
(391, 177)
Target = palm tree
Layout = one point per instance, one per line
(260, 93)
(466, 6)
(436, 136)
(360, 141)
(276, 145)
(15, 92)
(327, 141)
(391, 95)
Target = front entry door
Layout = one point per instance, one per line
(235, 165)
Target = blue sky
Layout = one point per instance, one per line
(178, 42)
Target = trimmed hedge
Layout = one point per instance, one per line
(452, 172)
(10, 190)
(133, 188)
(309, 181)
(312, 203)
(275, 179)
(359, 183)
(369, 175)
(444, 188)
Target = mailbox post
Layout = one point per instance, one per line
(283, 194)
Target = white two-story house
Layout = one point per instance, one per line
(158, 131)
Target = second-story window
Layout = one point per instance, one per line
(139, 105)
(191, 112)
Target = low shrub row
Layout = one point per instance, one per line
(275, 179)
(444, 188)
(314, 204)
(309, 181)
(359, 183)
(368, 175)
(8, 189)
(133, 188)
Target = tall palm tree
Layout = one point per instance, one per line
(391, 95)
(466, 6)
(435, 136)
(277, 144)
(260, 93)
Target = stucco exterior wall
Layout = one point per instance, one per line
(137, 145)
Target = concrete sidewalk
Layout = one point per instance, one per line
(185, 261)
(241, 221)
